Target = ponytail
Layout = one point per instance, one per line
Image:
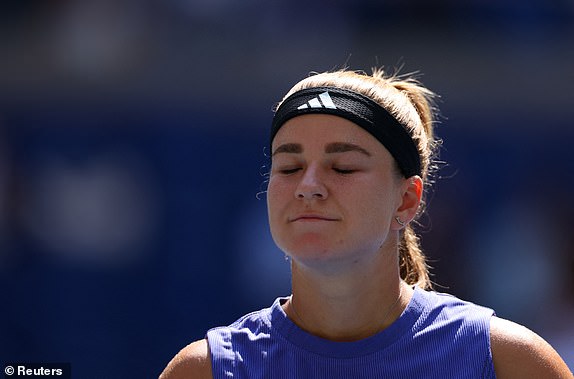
(412, 261)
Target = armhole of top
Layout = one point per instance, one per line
(220, 350)
(488, 370)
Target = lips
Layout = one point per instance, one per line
(312, 217)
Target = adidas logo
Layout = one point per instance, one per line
(321, 101)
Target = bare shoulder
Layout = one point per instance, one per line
(193, 361)
(518, 352)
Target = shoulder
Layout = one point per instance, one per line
(518, 352)
(193, 361)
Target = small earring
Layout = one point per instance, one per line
(399, 221)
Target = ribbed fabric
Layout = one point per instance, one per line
(437, 336)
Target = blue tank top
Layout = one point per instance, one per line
(436, 336)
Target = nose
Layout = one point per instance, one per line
(311, 186)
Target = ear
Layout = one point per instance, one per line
(411, 195)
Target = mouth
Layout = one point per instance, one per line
(312, 218)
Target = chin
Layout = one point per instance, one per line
(311, 247)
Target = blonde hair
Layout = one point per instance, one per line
(412, 105)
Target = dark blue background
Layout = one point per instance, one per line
(132, 163)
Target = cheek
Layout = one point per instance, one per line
(277, 202)
(373, 208)
(277, 196)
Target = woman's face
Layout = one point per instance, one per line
(333, 191)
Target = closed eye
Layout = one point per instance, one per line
(288, 171)
(343, 171)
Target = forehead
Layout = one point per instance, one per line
(319, 129)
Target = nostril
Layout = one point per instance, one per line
(314, 194)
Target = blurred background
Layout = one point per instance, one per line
(132, 161)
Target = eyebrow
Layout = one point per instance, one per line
(293, 148)
(343, 147)
(332, 148)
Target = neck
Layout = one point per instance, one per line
(347, 306)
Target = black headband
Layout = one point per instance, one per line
(359, 109)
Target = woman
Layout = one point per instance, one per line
(351, 155)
